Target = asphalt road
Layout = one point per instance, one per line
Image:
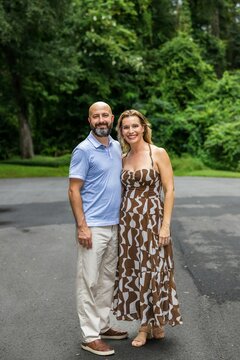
(38, 319)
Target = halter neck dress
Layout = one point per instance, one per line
(145, 288)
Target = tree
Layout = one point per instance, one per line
(184, 17)
(155, 55)
(182, 73)
(28, 44)
(216, 27)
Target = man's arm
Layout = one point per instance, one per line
(83, 232)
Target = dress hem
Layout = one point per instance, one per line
(136, 317)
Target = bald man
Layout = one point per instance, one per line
(95, 195)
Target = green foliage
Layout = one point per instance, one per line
(162, 57)
(8, 135)
(213, 51)
(184, 15)
(201, 128)
(108, 48)
(38, 60)
(182, 73)
(171, 133)
(186, 164)
(228, 88)
(222, 146)
(212, 125)
(216, 27)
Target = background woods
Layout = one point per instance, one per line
(176, 61)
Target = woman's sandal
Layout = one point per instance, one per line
(158, 332)
(144, 333)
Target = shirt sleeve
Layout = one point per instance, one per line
(79, 164)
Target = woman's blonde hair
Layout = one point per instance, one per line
(147, 135)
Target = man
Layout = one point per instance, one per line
(94, 193)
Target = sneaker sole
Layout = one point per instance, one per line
(96, 352)
(116, 337)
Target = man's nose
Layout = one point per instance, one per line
(101, 118)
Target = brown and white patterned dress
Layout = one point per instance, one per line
(145, 287)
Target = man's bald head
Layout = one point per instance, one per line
(100, 118)
(99, 105)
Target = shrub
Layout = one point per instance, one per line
(222, 146)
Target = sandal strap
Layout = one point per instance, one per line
(145, 329)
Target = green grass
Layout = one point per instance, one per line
(23, 171)
(46, 166)
(39, 160)
(208, 173)
(189, 166)
(38, 166)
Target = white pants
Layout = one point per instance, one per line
(96, 269)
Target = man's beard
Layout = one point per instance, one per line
(102, 132)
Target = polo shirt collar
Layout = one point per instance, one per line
(97, 143)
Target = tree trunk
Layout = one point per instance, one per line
(25, 136)
(215, 26)
(26, 144)
(215, 23)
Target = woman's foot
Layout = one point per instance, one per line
(158, 332)
(144, 333)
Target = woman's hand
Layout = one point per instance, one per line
(164, 235)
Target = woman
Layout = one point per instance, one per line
(145, 287)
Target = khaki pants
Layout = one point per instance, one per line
(96, 269)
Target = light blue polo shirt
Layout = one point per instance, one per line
(100, 167)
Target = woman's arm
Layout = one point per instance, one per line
(165, 169)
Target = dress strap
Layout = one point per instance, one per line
(150, 153)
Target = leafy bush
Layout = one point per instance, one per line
(186, 163)
(171, 133)
(208, 128)
(182, 73)
(222, 146)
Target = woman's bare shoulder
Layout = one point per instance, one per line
(158, 151)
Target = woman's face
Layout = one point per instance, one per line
(132, 129)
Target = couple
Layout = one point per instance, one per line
(140, 249)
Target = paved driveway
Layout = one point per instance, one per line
(37, 274)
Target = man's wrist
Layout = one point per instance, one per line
(81, 224)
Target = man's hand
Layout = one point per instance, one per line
(84, 236)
